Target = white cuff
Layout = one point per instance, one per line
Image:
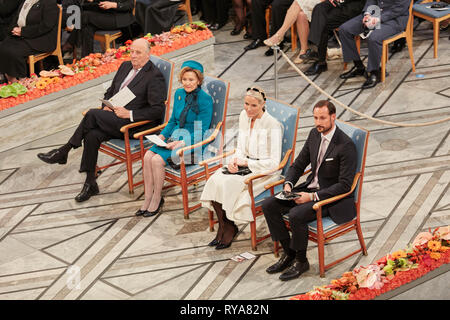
(131, 116)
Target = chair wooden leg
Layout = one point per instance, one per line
(383, 63)
(361, 239)
(253, 234)
(31, 64)
(293, 38)
(184, 191)
(276, 248)
(409, 42)
(321, 249)
(358, 44)
(188, 10)
(435, 37)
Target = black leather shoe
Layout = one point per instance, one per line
(213, 243)
(53, 156)
(354, 72)
(88, 191)
(284, 262)
(398, 46)
(295, 270)
(255, 44)
(316, 68)
(140, 212)
(216, 26)
(153, 213)
(270, 52)
(371, 81)
(310, 55)
(247, 36)
(235, 31)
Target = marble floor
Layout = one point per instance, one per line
(52, 247)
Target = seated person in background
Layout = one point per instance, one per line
(33, 30)
(7, 10)
(332, 155)
(327, 16)
(215, 13)
(103, 15)
(191, 105)
(147, 83)
(279, 9)
(393, 20)
(258, 149)
(300, 12)
(241, 18)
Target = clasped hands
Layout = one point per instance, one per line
(235, 163)
(369, 21)
(303, 197)
(17, 31)
(105, 5)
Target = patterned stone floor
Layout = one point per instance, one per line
(54, 248)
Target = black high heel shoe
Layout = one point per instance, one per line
(153, 213)
(213, 243)
(221, 245)
(237, 30)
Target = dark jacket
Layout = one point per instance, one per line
(41, 26)
(150, 90)
(353, 7)
(397, 10)
(7, 11)
(123, 14)
(335, 174)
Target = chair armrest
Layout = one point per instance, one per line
(201, 143)
(223, 155)
(264, 174)
(86, 111)
(154, 129)
(133, 125)
(273, 184)
(322, 203)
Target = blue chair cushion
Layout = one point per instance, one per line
(119, 145)
(328, 224)
(266, 194)
(425, 9)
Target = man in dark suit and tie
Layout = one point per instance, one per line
(332, 155)
(384, 18)
(147, 83)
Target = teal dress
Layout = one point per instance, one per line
(195, 124)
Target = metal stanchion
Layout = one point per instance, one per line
(275, 55)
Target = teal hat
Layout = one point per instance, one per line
(193, 65)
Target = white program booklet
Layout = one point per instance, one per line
(120, 99)
(156, 140)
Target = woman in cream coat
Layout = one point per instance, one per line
(259, 149)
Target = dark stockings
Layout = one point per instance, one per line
(227, 229)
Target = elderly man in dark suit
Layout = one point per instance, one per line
(332, 155)
(147, 83)
(384, 18)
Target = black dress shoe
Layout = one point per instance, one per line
(255, 44)
(54, 156)
(371, 81)
(216, 26)
(310, 55)
(140, 212)
(398, 46)
(153, 213)
(295, 270)
(247, 36)
(284, 262)
(213, 243)
(270, 52)
(316, 68)
(354, 72)
(88, 191)
(236, 31)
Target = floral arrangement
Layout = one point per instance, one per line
(428, 251)
(96, 65)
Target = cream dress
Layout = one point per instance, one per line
(308, 6)
(261, 147)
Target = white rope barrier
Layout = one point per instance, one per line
(396, 124)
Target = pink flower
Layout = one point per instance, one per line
(443, 233)
(422, 238)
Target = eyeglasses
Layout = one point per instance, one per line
(259, 91)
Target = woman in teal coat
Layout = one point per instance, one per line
(191, 117)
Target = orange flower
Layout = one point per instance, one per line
(434, 245)
(444, 248)
(398, 254)
(435, 255)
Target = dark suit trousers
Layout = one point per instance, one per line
(97, 126)
(325, 18)
(279, 9)
(299, 216)
(353, 27)
(92, 21)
